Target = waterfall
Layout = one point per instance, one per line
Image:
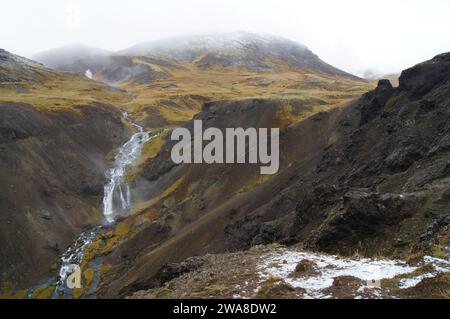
(117, 195)
(116, 199)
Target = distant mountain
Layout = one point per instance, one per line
(62, 57)
(172, 78)
(258, 52)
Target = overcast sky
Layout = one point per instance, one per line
(354, 35)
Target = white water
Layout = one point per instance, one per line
(117, 197)
(73, 256)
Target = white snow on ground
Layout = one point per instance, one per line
(440, 265)
(411, 282)
(282, 263)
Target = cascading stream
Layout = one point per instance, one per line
(116, 199)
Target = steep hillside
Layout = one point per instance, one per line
(371, 178)
(56, 130)
(15, 68)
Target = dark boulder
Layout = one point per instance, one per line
(422, 78)
(373, 102)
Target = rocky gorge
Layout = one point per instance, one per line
(362, 186)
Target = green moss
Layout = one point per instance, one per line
(170, 190)
(44, 292)
(90, 252)
(149, 151)
(120, 230)
(77, 293)
(88, 275)
(152, 147)
(258, 180)
(6, 292)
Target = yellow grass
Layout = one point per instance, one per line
(62, 92)
(188, 87)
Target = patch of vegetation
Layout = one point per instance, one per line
(152, 147)
(171, 189)
(6, 292)
(251, 184)
(188, 87)
(114, 237)
(44, 292)
(286, 115)
(77, 293)
(90, 252)
(88, 275)
(62, 93)
(149, 151)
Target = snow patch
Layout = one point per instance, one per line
(411, 282)
(282, 264)
(441, 265)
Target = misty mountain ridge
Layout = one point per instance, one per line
(256, 52)
(63, 56)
